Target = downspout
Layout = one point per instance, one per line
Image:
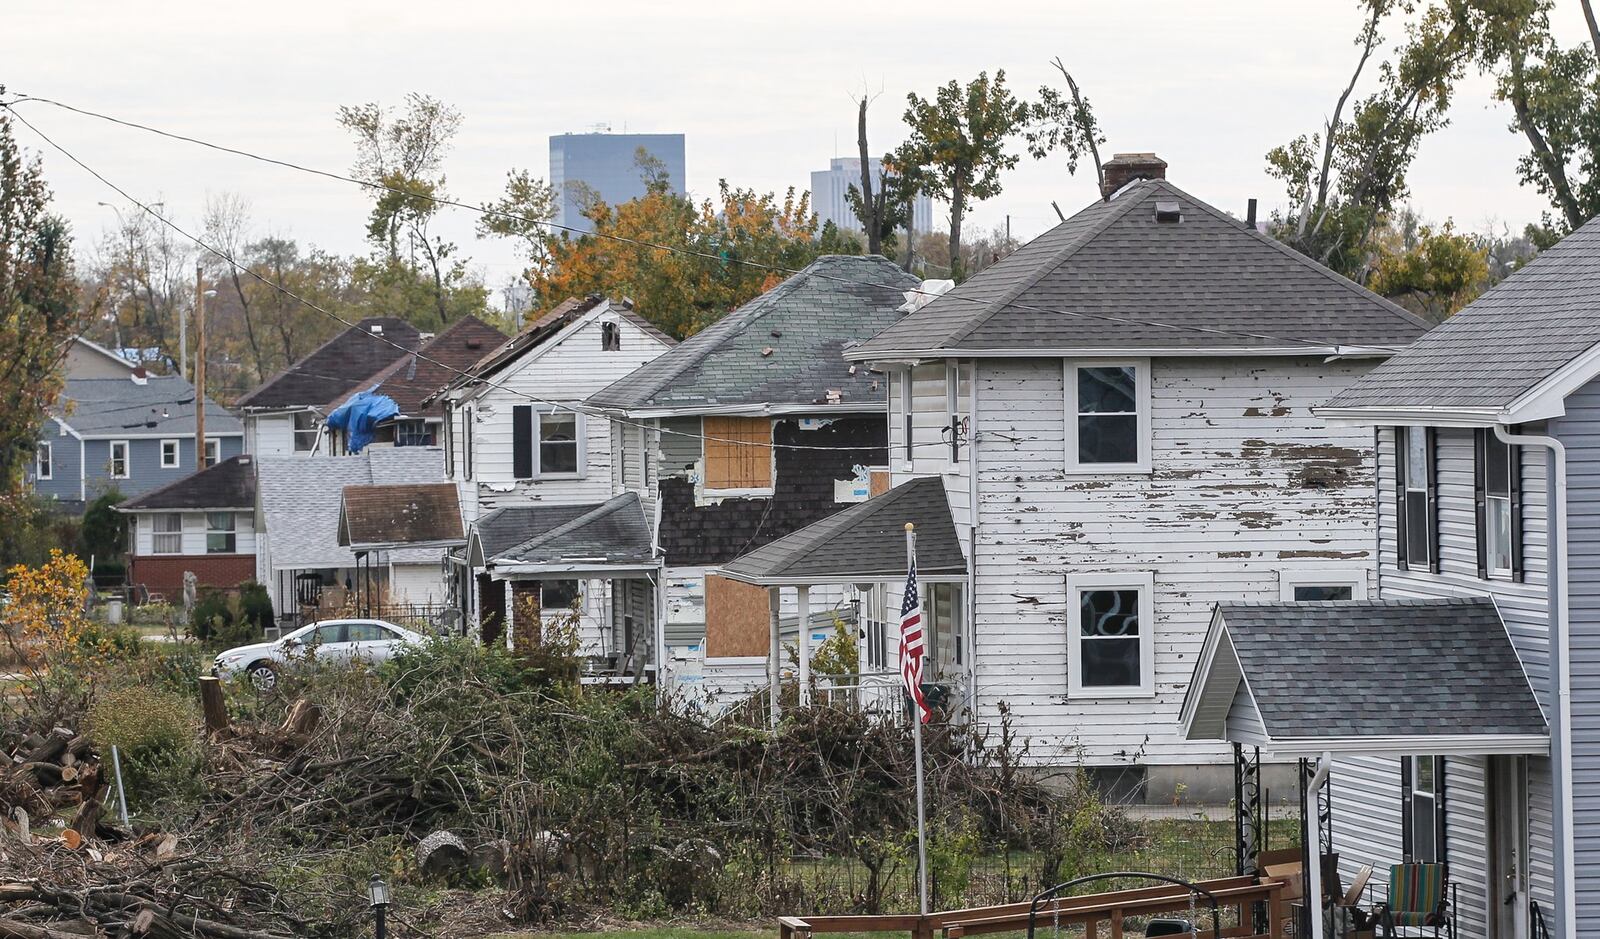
(1312, 833)
(1567, 874)
(972, 540)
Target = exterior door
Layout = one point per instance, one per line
(1508, 847)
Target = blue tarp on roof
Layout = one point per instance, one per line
(360, 416)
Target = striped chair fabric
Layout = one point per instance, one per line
(1416, 894)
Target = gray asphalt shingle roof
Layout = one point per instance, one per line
(120, 407)
(612, 532)
(1108, 278)
(806, 322)
(864, 542)
(230, 484)
(1382, 668)
(1504, 343)
(300, 498)
(337, 366)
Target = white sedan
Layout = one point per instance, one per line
(334, 641)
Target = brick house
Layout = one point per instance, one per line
(204, 523)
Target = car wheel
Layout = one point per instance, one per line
(263, 676)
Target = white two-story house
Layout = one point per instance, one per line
(533, 465)
(1119, 416)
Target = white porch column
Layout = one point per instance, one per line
(802, 602)
(774, 652)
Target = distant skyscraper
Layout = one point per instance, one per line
(607, 164)
(828, 188)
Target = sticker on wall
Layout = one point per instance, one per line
(856, 489)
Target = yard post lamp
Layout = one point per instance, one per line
(378, 893)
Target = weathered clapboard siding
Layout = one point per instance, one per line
(566, 369)
(1579, 430)
(931, 405)
(1246, 484)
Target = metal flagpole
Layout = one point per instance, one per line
(916, 741)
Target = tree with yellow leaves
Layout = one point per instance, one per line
(714, 255)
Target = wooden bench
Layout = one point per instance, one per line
(1091, 911)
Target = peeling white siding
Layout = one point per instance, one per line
(1227, 507)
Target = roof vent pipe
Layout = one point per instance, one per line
(1250, 214)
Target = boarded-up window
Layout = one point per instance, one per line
(737, 619)
(738, 453)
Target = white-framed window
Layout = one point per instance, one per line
(43, 464)
(213, 451)
(170, 458)
(1422, 797)
(1306, 585)
(166, 533)
(907, 417)
(560, 443)
(413, 434)
(1108, 416)
(221, 533)
(1111, 635)
(305, 431)
(1497, 482)
(1414, 452)
(118, 465)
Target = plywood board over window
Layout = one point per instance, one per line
(738, 620)
(738, 453)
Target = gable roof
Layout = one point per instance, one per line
(865, 542)
(300, 498)
(102, 354)
(125, 407)
(1364, 676)
(1112, 279)
(1503, 346)
(411, 380)
(510, 525)
(337, 366)
(612, 533)
(539, 331)
(783, 349)
(230, 484)
(388, 516)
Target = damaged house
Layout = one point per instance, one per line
(745, 432)
(546, 531)
(1115, 428)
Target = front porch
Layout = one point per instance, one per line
(863, 547)
(1366, 688)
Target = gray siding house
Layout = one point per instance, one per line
(1488, 439)
(132, 434)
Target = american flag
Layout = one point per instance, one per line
(911, 642)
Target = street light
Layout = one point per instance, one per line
(378, 892)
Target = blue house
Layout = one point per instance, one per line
(132, 434)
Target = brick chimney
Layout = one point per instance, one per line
(1124, 168)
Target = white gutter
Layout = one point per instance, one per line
(1563, 621)
(1312, 835)
(860, 354)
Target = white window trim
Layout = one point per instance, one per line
(156, 534)
(1144, 582)
(1491, 501)
(1353, 578)
(48, 461)
(177, 453)
(1141, 379)
(580, 434)
(213, 445)
(908, 420)
(234, 531)
(127, 460)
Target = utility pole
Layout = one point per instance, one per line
(199, 368)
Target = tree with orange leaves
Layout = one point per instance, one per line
(712, 256)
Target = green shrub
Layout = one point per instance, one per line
(154, 731)
(231, 618)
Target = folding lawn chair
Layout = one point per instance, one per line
(1417, 899)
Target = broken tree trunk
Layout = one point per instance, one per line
(216, 710)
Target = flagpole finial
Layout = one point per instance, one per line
(910, 527)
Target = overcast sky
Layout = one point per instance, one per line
(763, 96)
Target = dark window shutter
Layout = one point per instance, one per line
(1516, 513)
(1432, 444)
(1440, 841)
(1401, 560)
(522, 441)
(1480, 476)
(1408, 844)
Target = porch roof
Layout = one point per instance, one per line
(609, 535)
(1383, 677)
(863, 543)
(400, 515)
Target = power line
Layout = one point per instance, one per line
(634, 242)
(556, 405)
